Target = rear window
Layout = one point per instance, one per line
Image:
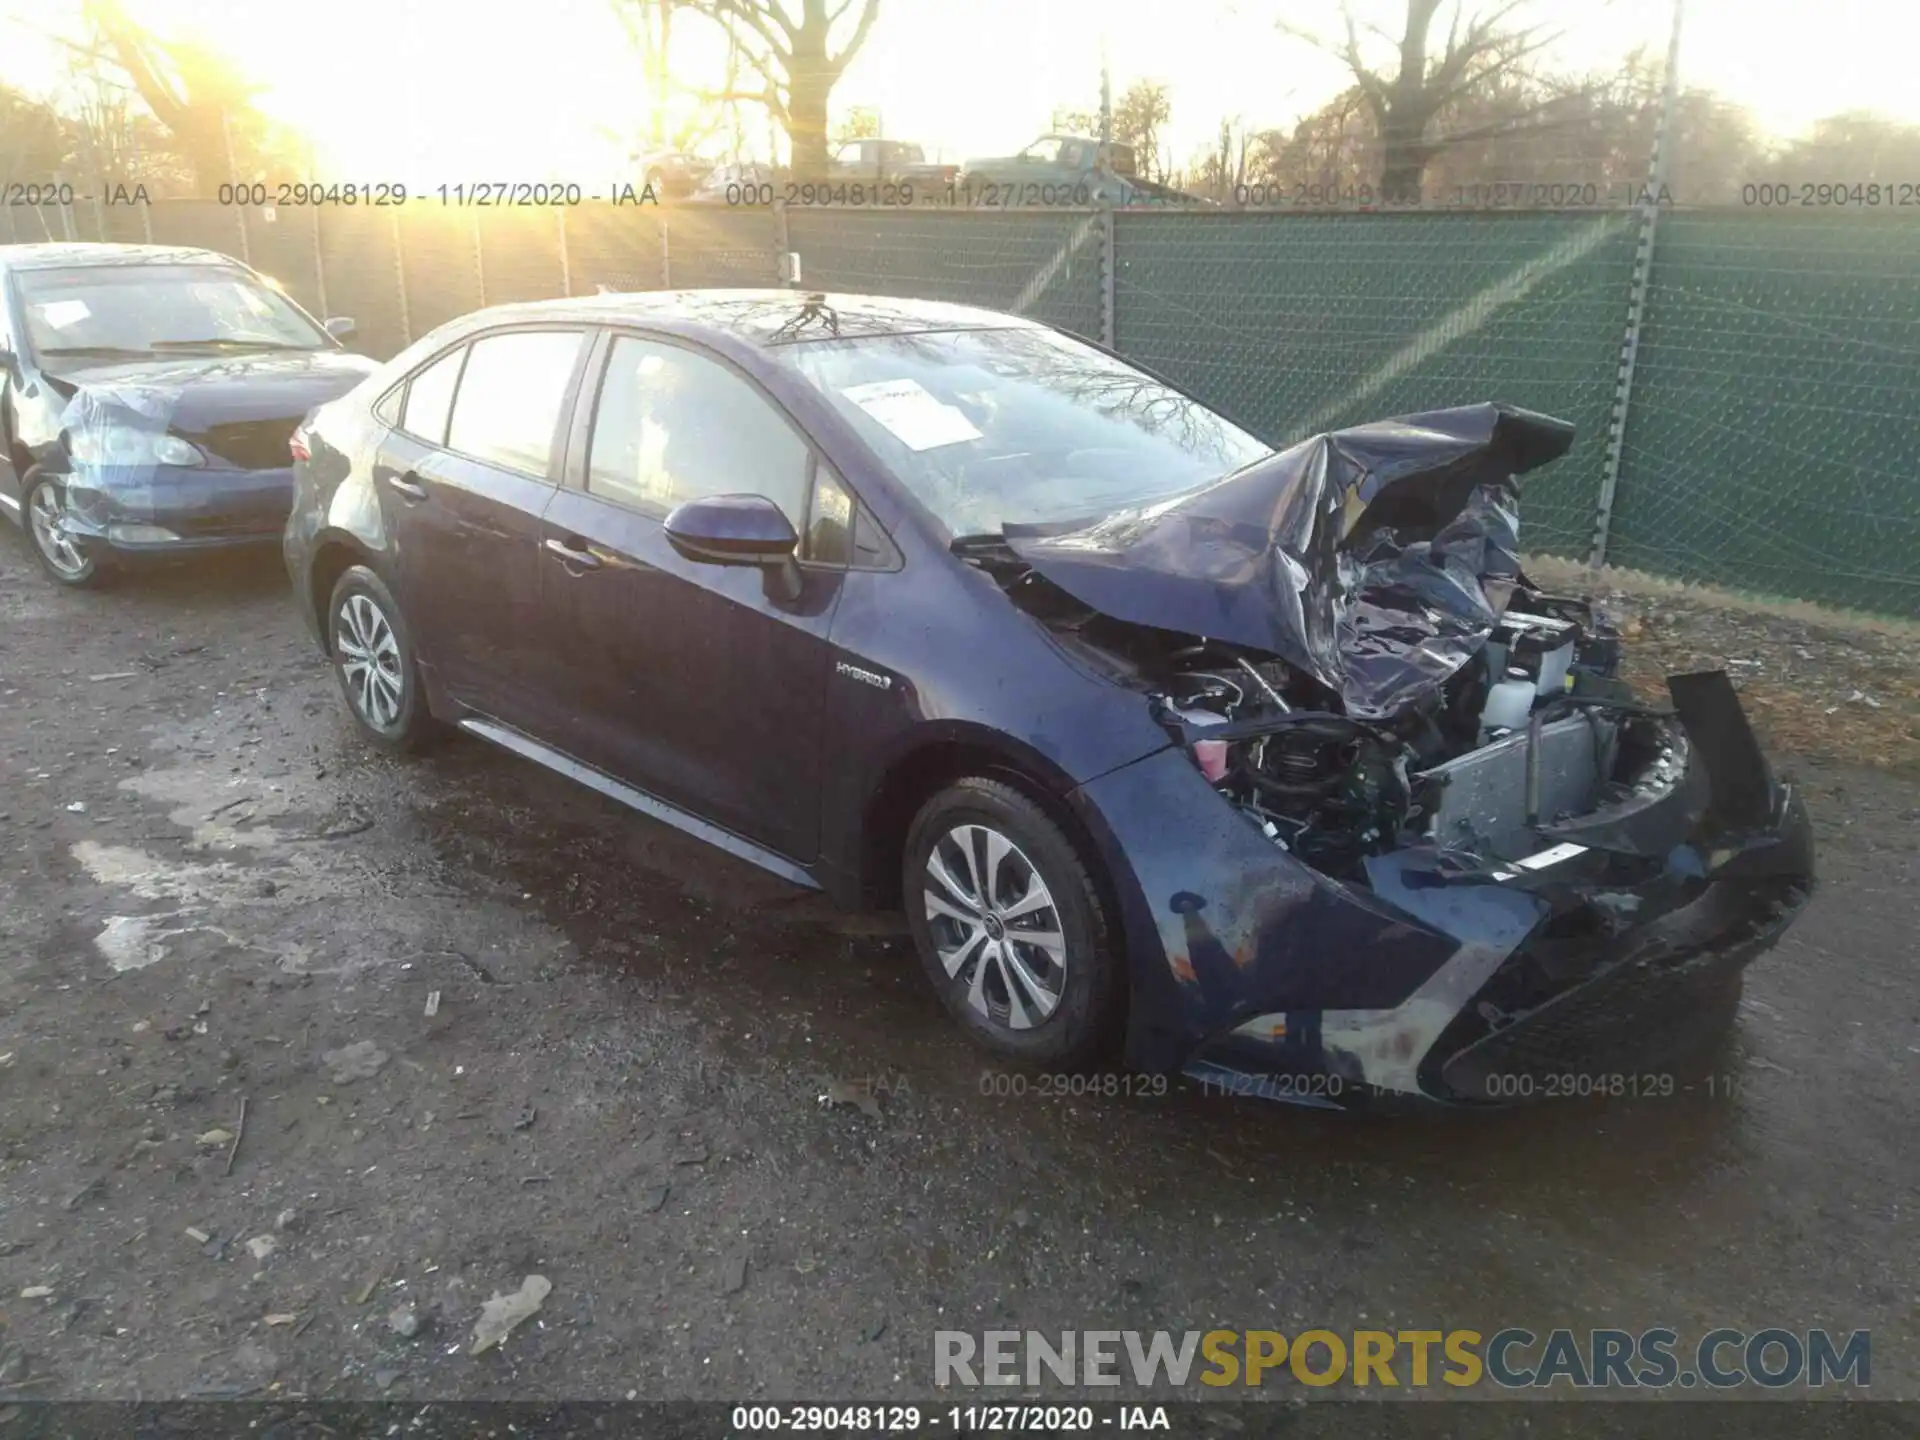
(430, 399)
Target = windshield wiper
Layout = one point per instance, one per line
(985, 543)
(222, 342)
(91, 350)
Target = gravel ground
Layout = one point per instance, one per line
(483, 1024)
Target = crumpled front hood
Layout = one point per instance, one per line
(1376, 559)
(192, 393)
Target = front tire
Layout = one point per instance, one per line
(375, 663)
(1010, 927)
(66, 560)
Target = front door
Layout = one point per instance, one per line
(702, 684)
(464, 480)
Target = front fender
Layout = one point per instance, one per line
(1222, 925)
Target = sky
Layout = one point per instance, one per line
(448, 90)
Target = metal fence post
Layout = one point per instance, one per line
(319, 263)
(146, 221)
(566, 265)
(782, 240)
(479, 259)
(66, 208)
(246, 245)
(1109, 259)
(666, 265)
(1637, 300)
(399, 273)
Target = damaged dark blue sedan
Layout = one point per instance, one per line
(147, 393)
(1271, 767)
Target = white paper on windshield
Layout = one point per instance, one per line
(912, 414)
(62, 313)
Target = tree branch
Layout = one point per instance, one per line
(759, 18)
(868, 14)
(1372, 85)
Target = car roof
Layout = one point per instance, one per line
(765, 318)
(76, 253)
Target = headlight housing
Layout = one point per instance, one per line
(130, 445)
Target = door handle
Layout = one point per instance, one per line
(408, 489)
(582, 558)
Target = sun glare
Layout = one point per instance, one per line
(434, 92)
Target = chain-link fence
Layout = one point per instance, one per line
(1769, 441)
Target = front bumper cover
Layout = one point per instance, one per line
(203, 509)
(1614, 958)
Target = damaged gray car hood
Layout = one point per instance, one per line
(1376, 559)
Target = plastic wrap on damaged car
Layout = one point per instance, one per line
(111, 433)
(1376, 559)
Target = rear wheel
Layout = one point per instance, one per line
(65, 558)
(1010, 926)
(375, 662)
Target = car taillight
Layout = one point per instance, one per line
(297, 443)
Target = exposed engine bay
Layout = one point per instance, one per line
(1534, 729)
(1343, 638)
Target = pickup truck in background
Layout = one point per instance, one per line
(673, 174)
(1064, 170)
(888, 162)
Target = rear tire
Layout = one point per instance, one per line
(374, 661)
(984, 867)
(43, 508)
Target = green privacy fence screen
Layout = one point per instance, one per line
(1772, 442)
(1321, 321)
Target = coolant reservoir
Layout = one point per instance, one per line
(1508, 703)
(1210, 755)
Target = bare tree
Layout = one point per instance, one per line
(199, 96)
(1220, 172)
(114, 136)
(1137, 118)
(1406, 104)
(649, 27)
(796, 60)
(33, 143)
(1856, 148)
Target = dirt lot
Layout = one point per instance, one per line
(211, 896)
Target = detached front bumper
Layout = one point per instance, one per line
(1594, 967)
(166, 510)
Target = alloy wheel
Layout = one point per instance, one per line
(48, 518)
(370, 661)
(995, 926)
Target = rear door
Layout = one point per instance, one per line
(464, 480)
(698, 683)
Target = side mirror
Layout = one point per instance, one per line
(732, 530)
(340, 327)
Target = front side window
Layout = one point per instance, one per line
(989, 427)
(159, 309)
(507, 409)
(673, 425)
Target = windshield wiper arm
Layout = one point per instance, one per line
(222, 341)
(92, 350)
